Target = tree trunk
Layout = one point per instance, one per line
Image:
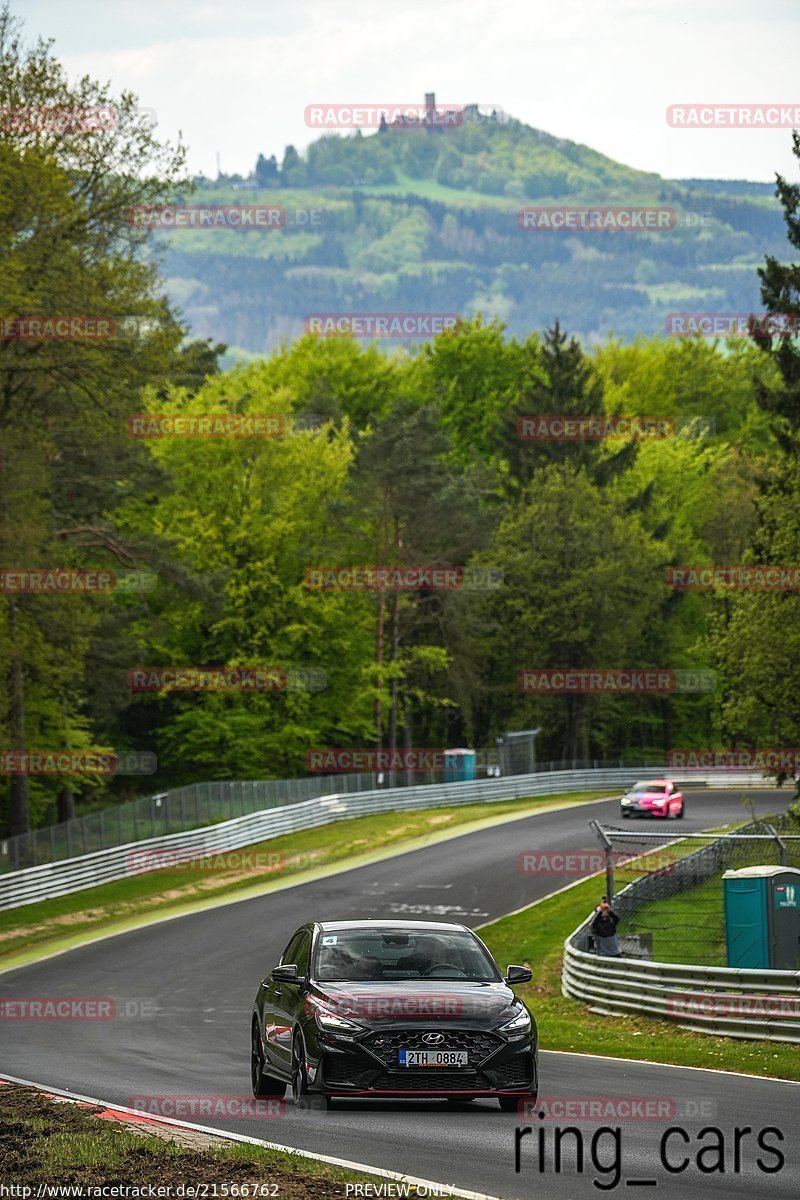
(65, 805)
(379, 675)
(19, 814)
(582, 731)
(393, 714)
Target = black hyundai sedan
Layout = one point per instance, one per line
(392, 1009)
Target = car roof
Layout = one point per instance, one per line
(388, 923)
(649, 782)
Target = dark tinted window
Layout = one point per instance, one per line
(385, 954)
(303, 955)
(289, 954)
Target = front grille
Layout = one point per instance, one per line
(432, 1079)
(343, 1071)
(478, 1044)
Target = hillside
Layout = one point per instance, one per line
(412, 220)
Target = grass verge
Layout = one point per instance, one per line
(67, 920)
(43, 1142)
(536, 936)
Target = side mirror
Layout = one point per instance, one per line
(515, 974)
(286, 974)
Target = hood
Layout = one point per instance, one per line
(416, 1000)
(647, 797)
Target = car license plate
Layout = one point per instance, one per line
(433, 1058)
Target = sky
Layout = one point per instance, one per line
(234, 77)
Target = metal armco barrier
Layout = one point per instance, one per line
(75, 874)
(681, 992)
(724, 1001)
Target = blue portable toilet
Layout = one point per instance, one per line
(459, 764)
(762, 917)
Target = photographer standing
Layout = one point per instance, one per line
(604, 928)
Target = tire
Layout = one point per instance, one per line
(681, 813)
(624, 814)
(301, 1096)
(511, 1104)
(261, 1083)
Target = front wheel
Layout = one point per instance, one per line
(680, 814)
(262, 1083)
(301, 1097)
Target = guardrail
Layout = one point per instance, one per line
(60, 878)
(682, 992)
(727, 1001)
(188, 807)
(208, 802)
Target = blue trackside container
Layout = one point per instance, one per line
(459, 764)
(762, 918)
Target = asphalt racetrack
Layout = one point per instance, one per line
(195, 979)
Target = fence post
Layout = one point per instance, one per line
(781, 844)
(607, 847)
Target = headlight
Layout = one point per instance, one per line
(329, 1023)
(521, 1023)
(626, 800)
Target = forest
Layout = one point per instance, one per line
(210, 498)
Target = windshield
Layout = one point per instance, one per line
(649, 787)
(364, 955)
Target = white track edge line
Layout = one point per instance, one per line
(76, 1097)
(649, 1062)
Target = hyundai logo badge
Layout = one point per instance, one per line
(433, 1039)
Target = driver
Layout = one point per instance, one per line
(427, 954)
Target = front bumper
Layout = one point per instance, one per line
(637, 810)
(368, 1065)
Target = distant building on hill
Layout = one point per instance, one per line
(436, 120)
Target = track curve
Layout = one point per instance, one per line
(194, 978)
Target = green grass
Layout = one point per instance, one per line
(59, 1144)
(54, 924)
(686, 928)
(536, 936)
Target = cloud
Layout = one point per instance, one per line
(236, 76)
